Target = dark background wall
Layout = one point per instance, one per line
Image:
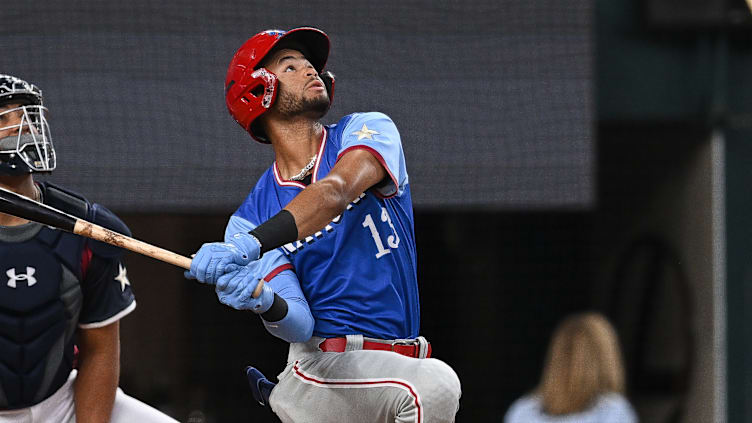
(673, 68)
(137, 90)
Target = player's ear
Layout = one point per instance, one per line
(328, 78)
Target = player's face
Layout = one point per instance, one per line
(301, 90)
(11, 116)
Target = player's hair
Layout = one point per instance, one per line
(583, 362)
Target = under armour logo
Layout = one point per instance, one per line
(28, 276)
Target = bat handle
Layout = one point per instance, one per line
(177, 260)
(260, 286)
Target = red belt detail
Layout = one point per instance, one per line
(411, 349)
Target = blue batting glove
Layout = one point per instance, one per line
(248, 244)
(235, 289)
(212, 261)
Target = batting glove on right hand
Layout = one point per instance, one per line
(213, 260)
(235, 289)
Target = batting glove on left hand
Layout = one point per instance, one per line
(214, 260)
(235, 289)
(247, 244)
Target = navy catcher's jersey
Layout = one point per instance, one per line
(51, 283)
(359, 272)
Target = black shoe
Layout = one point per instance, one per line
(261, 387)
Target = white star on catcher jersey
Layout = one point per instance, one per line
(122, 277)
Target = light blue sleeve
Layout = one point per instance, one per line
(297, 325)
(237, 224)
(377, 133)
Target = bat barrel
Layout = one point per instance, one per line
(17, 205)
(91, 230)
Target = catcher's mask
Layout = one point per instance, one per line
(26, 142)
(250, 90)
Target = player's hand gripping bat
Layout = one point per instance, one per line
(17, 205)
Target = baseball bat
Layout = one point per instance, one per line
(25, 208)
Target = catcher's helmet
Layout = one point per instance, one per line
(250, 90)
(29, 147)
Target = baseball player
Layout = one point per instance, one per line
(329, 227)
(61, 295)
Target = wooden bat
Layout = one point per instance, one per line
(17, 205)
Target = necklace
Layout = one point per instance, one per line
(304, 171)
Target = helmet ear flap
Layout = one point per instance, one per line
(262, 88)
(328, 78)
(249, 96)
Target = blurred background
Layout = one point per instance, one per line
(563, 156)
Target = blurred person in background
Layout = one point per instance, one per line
(61, 295)
(583, 378)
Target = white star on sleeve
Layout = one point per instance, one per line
(365, 133)
(122, 277)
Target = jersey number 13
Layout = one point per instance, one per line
(392, 240)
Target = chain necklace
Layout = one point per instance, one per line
(304, 171)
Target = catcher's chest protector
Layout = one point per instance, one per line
(40, 301)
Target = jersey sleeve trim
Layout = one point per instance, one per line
(124, 312)
(383, 164)
(278, 270)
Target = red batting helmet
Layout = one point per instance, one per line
(250, 90)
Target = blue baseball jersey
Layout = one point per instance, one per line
(358, 273)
